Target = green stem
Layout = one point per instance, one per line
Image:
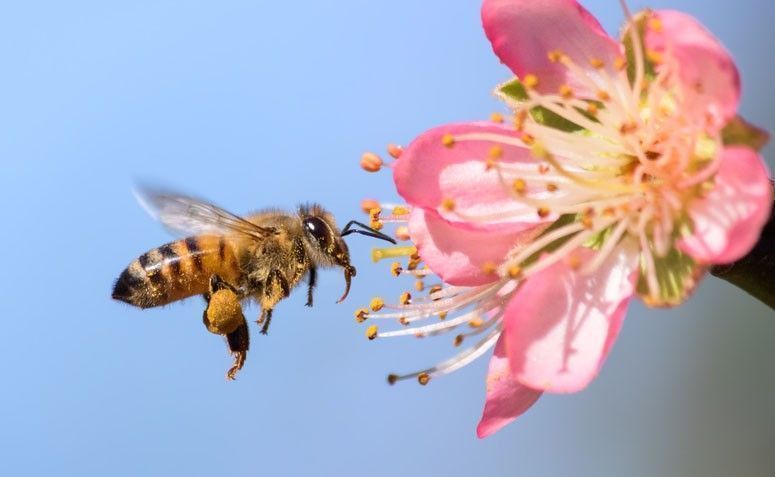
(755, 273)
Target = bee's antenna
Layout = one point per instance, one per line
(369, 232)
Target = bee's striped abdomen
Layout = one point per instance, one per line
(177, 270)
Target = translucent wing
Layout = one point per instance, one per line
(189, 216)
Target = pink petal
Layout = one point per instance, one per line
(706, 70)
(429, 172)
(728, 222)
(561, 324)
(523, 32)
(506, 398)
(457, 254)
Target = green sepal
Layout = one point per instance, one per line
(738, 131)
(513, 93)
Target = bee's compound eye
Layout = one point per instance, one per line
(318, 229)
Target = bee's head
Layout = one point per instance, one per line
(326, 242)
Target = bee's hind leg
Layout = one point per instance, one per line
(239, 342)
(223, 316)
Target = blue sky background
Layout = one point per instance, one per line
(253, 104)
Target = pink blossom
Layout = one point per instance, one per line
(612, 181)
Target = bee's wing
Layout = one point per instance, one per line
(189, 216)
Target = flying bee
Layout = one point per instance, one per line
(229, 259)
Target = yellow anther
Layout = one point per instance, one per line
(402, 233)
(376, 224)
(530, 81)
(555, 55)
(361, 314)
(405, 298)
(448, 140)
(489, 268)
(371, 332)
(419, 285)
(628, 127)
(476, 322)
(434, 289)
(543, 169)
(394, 150)
(566, 91)
(458, 340)
(515, 271)
(392, 378)
(527, 139)
(371, 162)
(597, 63)
(423, 378)
(367, 205)
(603, 95)
(620, 63)
(540, 152)
(592, 108)
(551, 187)
(587, 220)
(400, 210)
(609, 212)
(448, 204)
(376, 303)
(543, 212)
(655, 24)
(403, 320)
(496, 118)
(495, 152)
(573, 261)
(655, 56)
(519, 185)
(519, 119)
(442, 315)
(395, 269)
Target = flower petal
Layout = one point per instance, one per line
(506, 398)
(560, 324)
(428, 173)
(457, 254)
(728, 222)
(711, 82)
(523, 32)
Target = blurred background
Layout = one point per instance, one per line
(255, 104)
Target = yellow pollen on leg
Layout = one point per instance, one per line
(496, 118)
(376, 303)
(423, 378)
(448, 140)
(448, 204)
(530, 81)
(519, 186)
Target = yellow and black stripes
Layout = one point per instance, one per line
(177, 270)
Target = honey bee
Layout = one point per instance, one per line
(228, 259)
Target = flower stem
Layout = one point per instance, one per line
(755, 273)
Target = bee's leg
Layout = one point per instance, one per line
(223, 313)
(275, 289)
(313, 277)
(239, 342)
